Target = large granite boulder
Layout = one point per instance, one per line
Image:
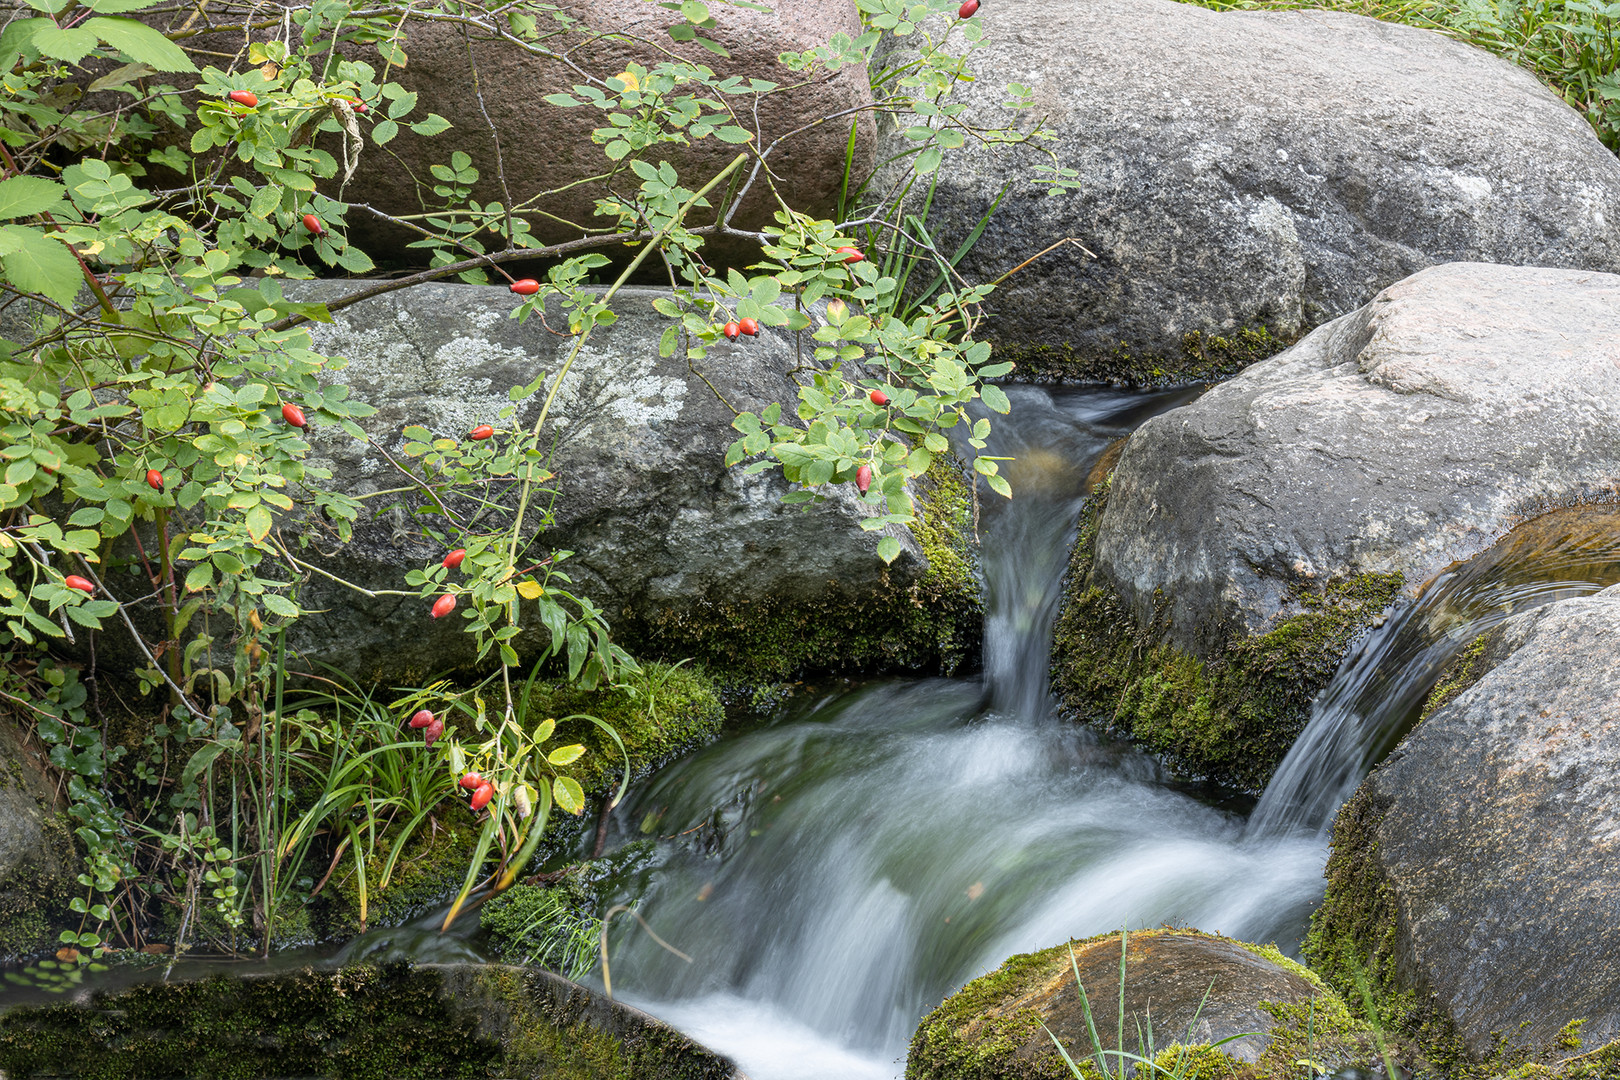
(38, 857)
(493, 94)
(1245, 537)
(991, 1029)
(1473, 872)
(1247, 175)
(685, 556)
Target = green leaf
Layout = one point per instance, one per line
(384, 132)
(140, 43)
(280, 605)
(928, 160)
(999, 485)
(888, 549)
(70, 46)
(994, 397)
(569, 795)
(258, 523)
(431, 126)
(122, 75)
(22, 196)
(36, 263)
(17, 37)
(199, 577)
(566, 755)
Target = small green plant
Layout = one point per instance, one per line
(545, 927)
(1148, 1053)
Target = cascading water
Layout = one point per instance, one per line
(1375, 697)
(836, 873)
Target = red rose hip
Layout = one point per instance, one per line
(74, 581)
(481, 797)
(863, 478)
(453, 560)
(482, 431)
(434, 730)
(472, 781)
(422, 719)
(526, 287)
(731, 330)
(748, 326)
(851, 254)
(294, 415)
(154, 479)
(443, 606)
(967, 10)
(879, 398)
(245, 97)
(313, 224)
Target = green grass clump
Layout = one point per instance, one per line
(1573, 46)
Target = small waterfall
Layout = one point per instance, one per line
(837, 872)
(1375, 696)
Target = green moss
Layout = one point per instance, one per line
(428, 872)
(931, 623)
(1466, 669)
(1203, 357)
(33, 901)
(969, 1038)
(1229, 719)
(355, 1024)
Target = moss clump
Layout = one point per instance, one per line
(1230, 718)
(428, 872)
(1465, 669)
(462, 1021)
(1203, 357)
(932, 623)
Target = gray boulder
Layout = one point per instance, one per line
(1474, 869)
(38, 856)
(685, 556)
(1246, 176)
(1253, 530)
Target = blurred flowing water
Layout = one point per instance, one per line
(837, 872)
(1379, 690)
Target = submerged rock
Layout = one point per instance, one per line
(1183, 986)
(1247, 175)
(1247, 536)
(1473, 872)
(686, 556)
(431, 1020)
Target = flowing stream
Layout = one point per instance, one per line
(836, 873)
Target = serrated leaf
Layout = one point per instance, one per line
(384, 132)
(280, 605)
(122, 76)
(566, 755)
(433, 125)
(199, 577)
(36, 263)
(530, 589)
(568, 794)
(69, 46)
(23, 196)
(140, 43)
(995, 398)
(888, 549)
(999, 485)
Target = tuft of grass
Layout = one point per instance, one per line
(1573, 46)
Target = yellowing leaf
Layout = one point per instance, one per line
(530, 589)
(568, 794)
(566, 755)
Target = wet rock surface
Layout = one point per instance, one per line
(38, 859)
(676, 548)
(1249, 170)
(992, 1026)
(1475, 867)
(433, 1020)
(1396, 440)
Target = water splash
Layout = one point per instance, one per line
(839, 871)
(1378, 692)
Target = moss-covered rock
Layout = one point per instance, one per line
(1229, 718)
(433, 1022)
(932, 622)
(1202, 357)
(1001, 1026)
(39, 856)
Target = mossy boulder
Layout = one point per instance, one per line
(39, 857)
(433, 1022)
(1246, 537)
(1471, 877)
(1186, 987)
